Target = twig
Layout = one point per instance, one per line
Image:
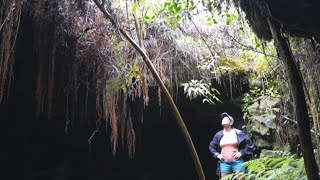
(291, 120)
(249, 47)
(7, 18)
(96, 131)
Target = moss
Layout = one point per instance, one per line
(232, 65)
(261, 65)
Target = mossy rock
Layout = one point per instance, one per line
(264, 104)
(275, 110)
(270, 102)
(259, 128)
(262, 143)
(254, 109)
(267, 119)
(285, 147)
(267, 104)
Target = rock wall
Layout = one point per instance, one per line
(307, 54)
(263, 111)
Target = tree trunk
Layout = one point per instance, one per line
(157, 78)
(299, 101)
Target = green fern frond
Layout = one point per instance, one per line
(274, 165)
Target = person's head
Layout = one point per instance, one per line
(227, 120)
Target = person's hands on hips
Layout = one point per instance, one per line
(221, 157)
(237, 155)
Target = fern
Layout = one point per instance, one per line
(273, 165)
(196, 88)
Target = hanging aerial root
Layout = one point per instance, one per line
(9, 27)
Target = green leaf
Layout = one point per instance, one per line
(229, 21)
(185, 88)
(230, 18)
(215, 21)
(178, 9)
(167, 4)
(201, 92)
(124, 88)
(253, 76)
(161, 11)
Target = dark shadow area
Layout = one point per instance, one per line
(39, 151)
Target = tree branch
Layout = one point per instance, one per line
(250, 47)
(291, 120)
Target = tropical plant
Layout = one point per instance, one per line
(273, 165)
(198, 88)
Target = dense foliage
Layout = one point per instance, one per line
(273, 165)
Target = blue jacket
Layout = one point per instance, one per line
(245, 145)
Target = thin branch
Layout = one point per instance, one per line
(250, 47)
(291, 120)
(8, 16)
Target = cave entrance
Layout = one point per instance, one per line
(161, 152)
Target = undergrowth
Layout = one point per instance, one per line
(273, 165)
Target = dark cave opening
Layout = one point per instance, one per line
(39, 151)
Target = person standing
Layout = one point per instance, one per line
(230, 146)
